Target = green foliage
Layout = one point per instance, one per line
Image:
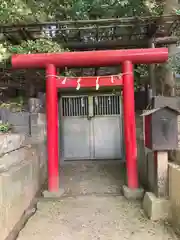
(5, 127)
(177, 11)
(174, 60)
(19, 11)
(4, 52)
(174, 63)
(93, 9)
(26, 47)
(37, 46)
(12, 11)
(15, 105)
(139, 72)
(155, 7)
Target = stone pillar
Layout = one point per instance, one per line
(42, 98)
(155, 203)
(161, 176)
(34, 105)
(158, 173)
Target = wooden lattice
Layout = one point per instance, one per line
(97, 34)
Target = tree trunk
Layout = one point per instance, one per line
(169, 81)
(170, 6)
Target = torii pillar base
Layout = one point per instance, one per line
(53, 195)
(133, 194)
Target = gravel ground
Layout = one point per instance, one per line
(91, 218)
(93, 209)
(103, 177)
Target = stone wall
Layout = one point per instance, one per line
(23, 170)
(174, 195)
(174, 179)
(20, 121)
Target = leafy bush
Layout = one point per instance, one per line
(5, 127)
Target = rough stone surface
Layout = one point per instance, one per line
(38, 133)
(38, 127)
(37, 118)
(4, 114)
(174, 195)
(21, 129)
(34, 105)
(10, 142)
(52, 195)
(161, 175)
(21, 177)
(42, 153)
(18, 187)
(87, 178)
(133, 194)
(93, 217)
(41, 118)
(19, 118)
(156, 208)
(34, 118)
(15, 157)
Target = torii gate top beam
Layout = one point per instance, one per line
(90, 58)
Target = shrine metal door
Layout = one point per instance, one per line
(91, 127)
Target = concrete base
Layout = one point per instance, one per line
(133, 194)
(156, 208)
(52, 195)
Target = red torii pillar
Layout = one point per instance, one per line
(90, 59)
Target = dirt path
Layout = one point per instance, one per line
(93, 209)
(91, 218)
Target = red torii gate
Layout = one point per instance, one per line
(90, 59)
